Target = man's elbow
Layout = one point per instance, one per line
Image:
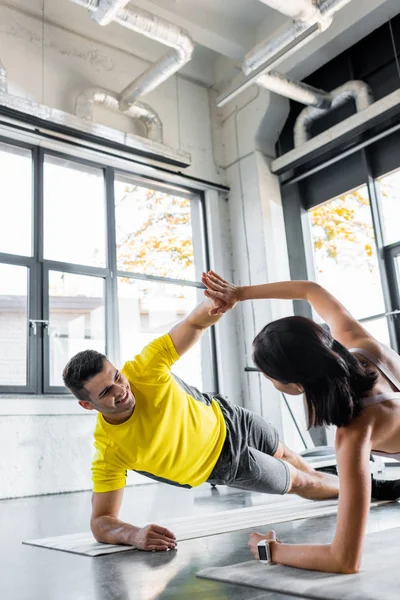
(97, 529)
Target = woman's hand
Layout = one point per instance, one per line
(218, 289)
(257, 537)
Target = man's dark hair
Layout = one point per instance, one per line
(80, 368)
(297, 350)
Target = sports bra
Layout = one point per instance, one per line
(369, 400)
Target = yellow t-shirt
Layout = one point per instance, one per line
(171, 435)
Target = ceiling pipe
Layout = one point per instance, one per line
(298, 10)
(3, 79)
(296, 35)
(155, 28)
(275, 49)
(358, 91)
(86, 102)
(73, 126)
(89, 4)
(107, 10)
(301, 92)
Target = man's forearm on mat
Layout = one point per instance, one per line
(109, 530)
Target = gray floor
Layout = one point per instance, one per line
(29, 573)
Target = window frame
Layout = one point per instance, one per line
(38, 359)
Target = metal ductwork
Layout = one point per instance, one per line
(151, 146)
(48, 116)
(301, 92)
(309, 20)
(274, 50)
(86, 102)
(298, 10)
(358, 91)
(3, 79)
(107, 10)
(157, 29)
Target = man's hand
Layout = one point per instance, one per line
(154, 538)
(223, 294)
(257, 537)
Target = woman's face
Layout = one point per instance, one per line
(293, 389)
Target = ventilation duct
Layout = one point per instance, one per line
(3, 79)
(358, 91)
(50, 119)
(107, 10)
(301, 92)
(298, 10)
(143, 22)
(86, 102)
(311, 18)
(309, 21)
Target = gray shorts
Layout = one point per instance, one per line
(246, 460)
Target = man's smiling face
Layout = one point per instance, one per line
(109, 393)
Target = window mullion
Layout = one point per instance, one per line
(112, 317)
(376, 212)
(35, 378)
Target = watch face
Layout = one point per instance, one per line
(262, 553)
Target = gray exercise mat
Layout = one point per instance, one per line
(187, 528)
(378, 579)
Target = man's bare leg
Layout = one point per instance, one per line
(306, 481)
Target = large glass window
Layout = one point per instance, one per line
(346, 260)
(74, 213)
(15, 200)
(83, 265)
(76, 318)
(157, 265)
(389, 194)
(345, 253)
(147, 310)
(13, 325)
(154, 231)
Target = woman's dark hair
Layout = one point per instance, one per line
(82, 367)
(297, 350)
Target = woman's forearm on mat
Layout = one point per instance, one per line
(309, 556)
(109, 530)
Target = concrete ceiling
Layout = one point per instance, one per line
(224, 30)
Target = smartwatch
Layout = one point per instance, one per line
(264, 551)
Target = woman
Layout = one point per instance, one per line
(350, 380)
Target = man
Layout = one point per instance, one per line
(152, 422)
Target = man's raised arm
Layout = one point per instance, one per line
(186, 333)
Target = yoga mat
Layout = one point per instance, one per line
(378, 579)
(187, 528)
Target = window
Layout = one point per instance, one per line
(92, 258)
(154, 232)
(155, 236)
(345, 257)
(16, 200)
(13, 325)
(389, 195)
(76, 318)
(74, 213)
